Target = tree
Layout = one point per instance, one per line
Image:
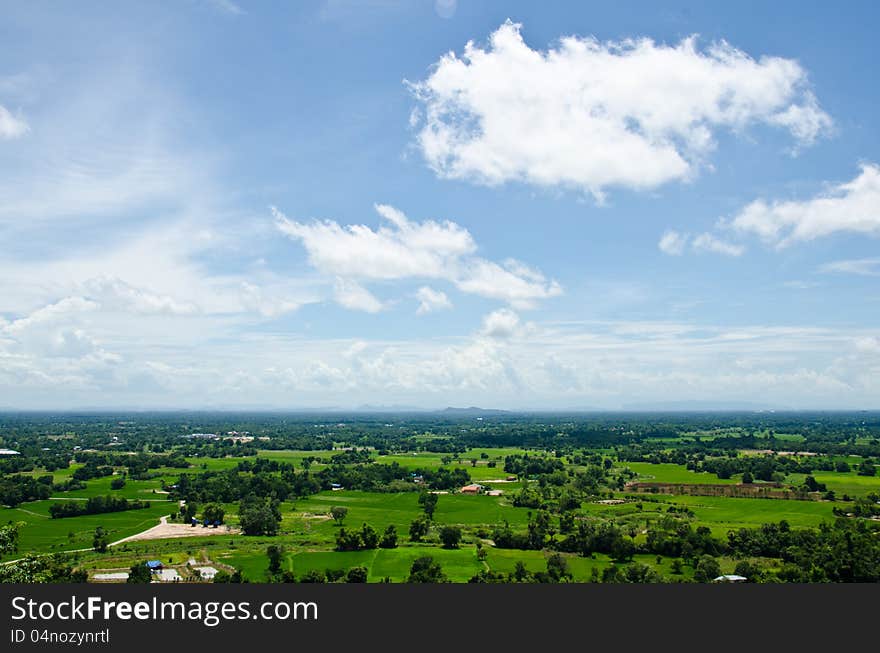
(356, 575)
(369, 537)
(748, 478)
(557, 568)
(418, 529)
(426, 570)
(706, 569)
(222, 577)
(389, 537)
(9, 537)
(348, 540)
(313, 576)
(450, 536)
(747, 570)
(867, 468)
(188, 512)
(213, 512)
(100, 540)
(622, 550)
(259, 517)
(117, 483)
(276, 555)
(338, 513)
(139, 573)
(428, 501)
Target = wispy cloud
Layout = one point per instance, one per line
(868, 267)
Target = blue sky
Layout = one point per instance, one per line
(217, 204)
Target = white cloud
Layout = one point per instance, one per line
(400, 250)
(852, 207)
(431, 300)
(708, 243)
(673, 243)
(11, 126)
(53, 330)
(115, 294)
(502, 323)
(351, 294)
(403, 249)
(868, 267)
(590, 115)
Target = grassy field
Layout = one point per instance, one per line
(42, 534)
(842, 482)
(672, 473)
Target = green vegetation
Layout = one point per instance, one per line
(378, 498)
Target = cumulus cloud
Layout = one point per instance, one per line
(52, 330)
(11, 126)
(708, 243)
(403, 249)
(672, 243)
(852, 207)
(431, 300)
(502, 324)
(867, 267)
(588, 115)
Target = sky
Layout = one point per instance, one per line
(221, 204)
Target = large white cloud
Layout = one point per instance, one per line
(590, 115)
(852, 207)
(403, 249)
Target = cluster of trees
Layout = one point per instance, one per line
(530, 465)
(94, 506)
(366, 538)
(867, 506)
(846, 551)
(92, 470)
(262, 479)
(55, 568)
(15, 489)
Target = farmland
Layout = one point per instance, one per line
(317, 499)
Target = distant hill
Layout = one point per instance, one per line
(473, 410)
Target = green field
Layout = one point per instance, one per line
(672, 473)
(42, 534)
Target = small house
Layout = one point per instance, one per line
(473, 488)
(730, 578)
(155, 565)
